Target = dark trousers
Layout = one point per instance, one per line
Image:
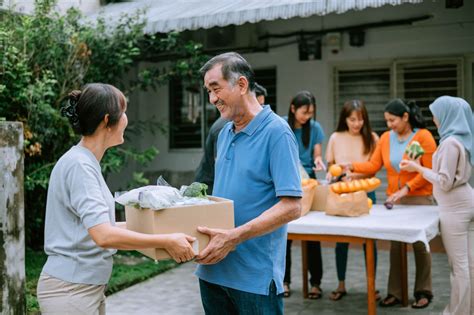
(219, 300)
(342, 250)
(315, 263)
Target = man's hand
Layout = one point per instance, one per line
(220, 244)
(179, 247)
(398, 195)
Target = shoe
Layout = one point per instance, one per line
(286, 290)
(336, 295)
(419, 296)
(385, 302)
(315, 295)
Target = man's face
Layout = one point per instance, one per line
(222, 93)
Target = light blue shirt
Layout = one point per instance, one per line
(306, 153)
(253, 168)
(397, 148)
(78, 199)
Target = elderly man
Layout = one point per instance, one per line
(241, 270)
(205, 171)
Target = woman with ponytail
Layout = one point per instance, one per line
(406, 123)
(81, 234)
(452, 168)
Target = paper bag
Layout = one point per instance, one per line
(347, 205)
(307, 199)
(320, 197)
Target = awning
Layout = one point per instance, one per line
(167, 15)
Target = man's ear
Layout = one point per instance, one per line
(243, 85)
(106, 120)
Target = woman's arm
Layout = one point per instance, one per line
(429, 145)
(178, 245)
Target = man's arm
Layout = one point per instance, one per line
(223, 241)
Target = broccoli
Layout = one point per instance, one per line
(198, 190)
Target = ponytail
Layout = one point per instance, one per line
(399, 107)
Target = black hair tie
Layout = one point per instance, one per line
(69, 111)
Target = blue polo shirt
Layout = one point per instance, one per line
(253, 168)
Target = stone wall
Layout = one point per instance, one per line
(12, 233)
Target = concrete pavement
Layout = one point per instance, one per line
(177, 291)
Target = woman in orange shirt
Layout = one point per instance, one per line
(406, 123)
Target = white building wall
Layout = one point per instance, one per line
(449, 33)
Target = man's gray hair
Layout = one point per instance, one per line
(233, 67)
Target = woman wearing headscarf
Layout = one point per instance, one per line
(452, 166)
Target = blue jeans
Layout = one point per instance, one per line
(343, 248)
(219, 300)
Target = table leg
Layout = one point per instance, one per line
(370, 265)
(404, 273)
(304, 263)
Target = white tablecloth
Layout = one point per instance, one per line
(407, 224)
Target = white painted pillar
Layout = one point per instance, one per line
(12, 232)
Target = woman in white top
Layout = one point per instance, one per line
(452, 167)
(80, 229)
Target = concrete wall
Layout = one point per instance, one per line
(12, 233)
(449, 33)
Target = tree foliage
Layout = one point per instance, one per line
(45, 55)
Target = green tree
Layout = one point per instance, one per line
(45, 55)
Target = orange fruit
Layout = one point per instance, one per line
(369, 202)
(335, 170)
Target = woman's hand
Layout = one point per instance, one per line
(179, 247)
(410, 165)
(346, 167)
(398, 195)
(319, 164)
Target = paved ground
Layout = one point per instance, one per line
(177, 291)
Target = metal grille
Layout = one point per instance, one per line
(373, 87)
(425, 81)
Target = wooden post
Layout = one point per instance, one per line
(370, 265)
(404, 273)
(304, 262)
(12, 234)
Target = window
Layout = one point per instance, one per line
(191, 114)
(425, 81)
(267, 79)
(371, 86)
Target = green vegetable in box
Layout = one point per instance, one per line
(414, 150)
(198, 190)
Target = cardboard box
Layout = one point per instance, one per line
(307, 199)
(320, 197)
(184, 219)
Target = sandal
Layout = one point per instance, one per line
(377, 295)
(419, 296)
(336, 295)
(385, 302)
(286, 290)
(312, 295)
